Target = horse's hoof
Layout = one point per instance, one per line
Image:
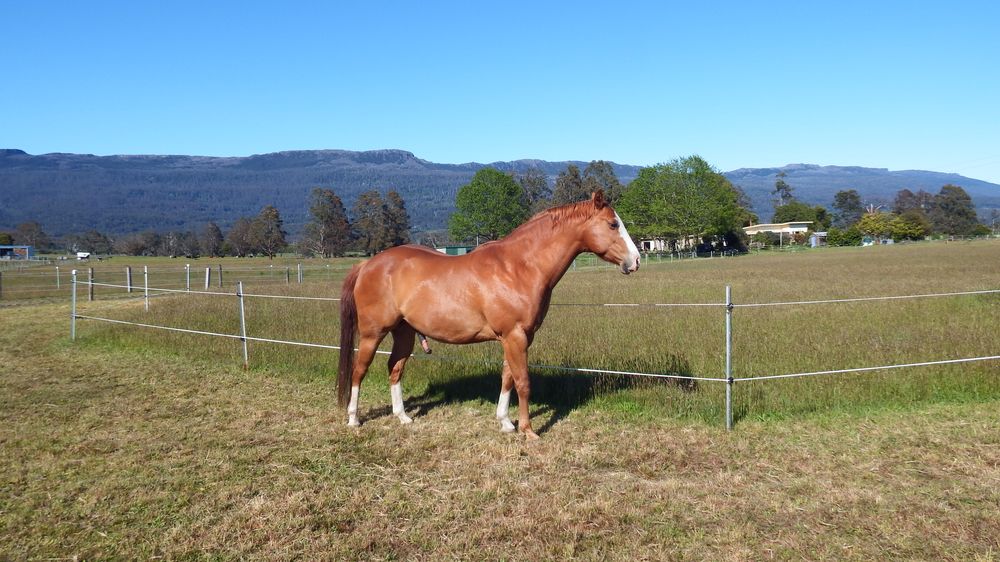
(404, 419)
(530, 435)
(353, 422)
(506, 426)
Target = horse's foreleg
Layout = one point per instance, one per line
(503, 404)
(515, 351)
(402, 347)
(366, 352)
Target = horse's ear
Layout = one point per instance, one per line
(598, 198)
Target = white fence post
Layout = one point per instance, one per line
(243, 326)
(72, 315)
(145, 278)
(187, 274)
(729, 358)
(208, 277)
(300, 274)
(58, 279)
(128, 278)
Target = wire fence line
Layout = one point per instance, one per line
(728, 305)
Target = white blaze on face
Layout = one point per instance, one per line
(632, 261)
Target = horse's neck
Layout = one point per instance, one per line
(546, 254)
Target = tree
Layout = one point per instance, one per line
(488, 207)
(685, 197)
(794, 210)
(847, 208)
(906, 200)
(536, 188)
(370, 222)
(953, 212)
(850, 236)
(397, 219)
(266, 232)
(240, 237)
(31, 234)
(782, 191)
(600, 174)
(211, 240)
(6, 238)
(910, 225)
(875, 224)
(95, 242)
(329, 232)
(569, 187)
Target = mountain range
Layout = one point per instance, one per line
(73, 193)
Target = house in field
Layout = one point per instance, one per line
(16, 252)
(782, 228)
(455, 250)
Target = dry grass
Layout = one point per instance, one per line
(134, 444)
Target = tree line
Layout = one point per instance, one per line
(688, 198)
(378, 223)
(912, 215)
(682, 198)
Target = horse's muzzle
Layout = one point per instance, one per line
(630, 268)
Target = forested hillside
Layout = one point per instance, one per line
(73, 193)
(69, 193)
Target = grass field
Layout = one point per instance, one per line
(134, 443)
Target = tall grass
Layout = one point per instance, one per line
(684, 341)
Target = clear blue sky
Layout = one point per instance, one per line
(900, 85)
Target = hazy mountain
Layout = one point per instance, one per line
(71, 193)
(818, 184)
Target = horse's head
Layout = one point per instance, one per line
(605, 235)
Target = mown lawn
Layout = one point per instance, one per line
(138, 444)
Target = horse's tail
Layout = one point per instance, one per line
(348, 325)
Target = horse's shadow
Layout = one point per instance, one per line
(553, 393)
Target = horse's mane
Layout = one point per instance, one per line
(546, 221)
(553, 217)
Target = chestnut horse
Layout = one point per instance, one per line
(500, 291)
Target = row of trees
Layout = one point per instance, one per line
(913, 216)
(378, 224)
(682, 198)
(688, 197)
(494, 203)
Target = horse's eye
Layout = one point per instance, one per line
(614, 225)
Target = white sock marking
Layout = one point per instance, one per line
(396, 391)
(503, 407)
(352, 407)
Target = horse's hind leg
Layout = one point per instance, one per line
(366, 352)
(402, 347)
(503, 404)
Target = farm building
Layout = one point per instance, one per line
(17, 252)
(455, 250)
(781, 228)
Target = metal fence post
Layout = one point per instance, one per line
(58, 279)
(187, 274)
(729, 358)
(243, 326)
(145, 281)
(72, 314)
(288, 275)
(1, 284)
(128, 278)
(220, 275)
(90, 283)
